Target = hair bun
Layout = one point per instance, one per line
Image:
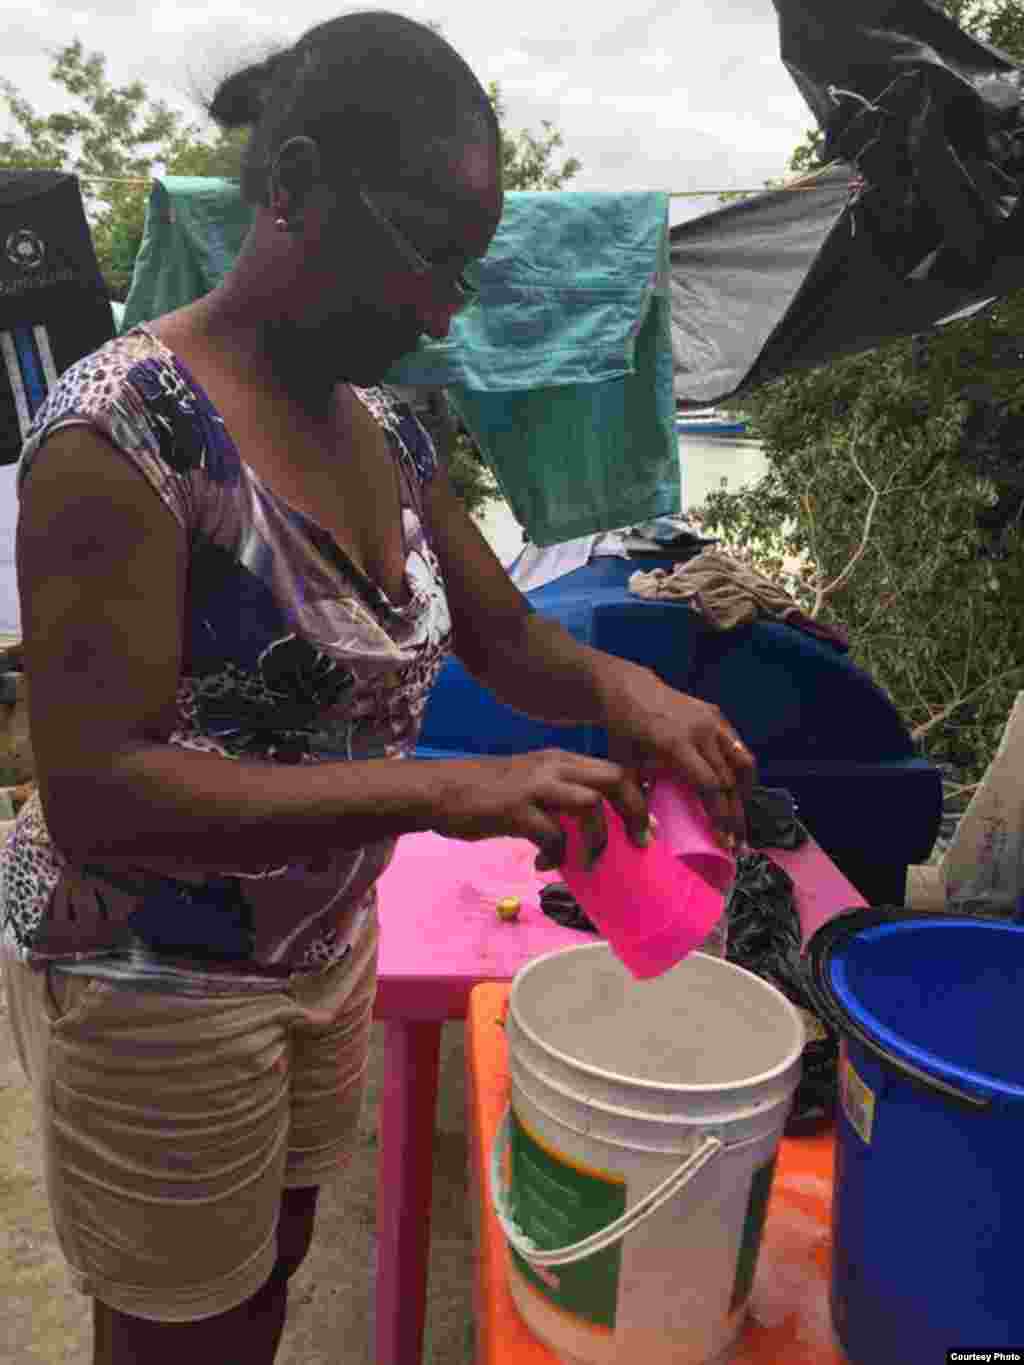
(240, 100)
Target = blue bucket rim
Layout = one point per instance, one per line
(923, 1057)
(841, 1007)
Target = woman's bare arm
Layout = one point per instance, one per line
(102, 569)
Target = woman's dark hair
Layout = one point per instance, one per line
(375, 90)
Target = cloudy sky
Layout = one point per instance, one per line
(676, 95)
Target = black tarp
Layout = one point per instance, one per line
(54, 306)
(921, 218)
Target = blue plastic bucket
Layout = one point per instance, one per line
(928, 1213)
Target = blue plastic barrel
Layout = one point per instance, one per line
(928, 1213)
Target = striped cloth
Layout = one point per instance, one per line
(29, 368)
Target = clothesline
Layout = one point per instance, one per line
(673, 194)
(115, 180)
(769, 189)
(810, 181)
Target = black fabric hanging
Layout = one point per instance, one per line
(54, 305)
(920, 221)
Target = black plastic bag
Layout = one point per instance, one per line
(765, 937)
(930, 116)
(772, 820)
(560, 905)
(920, 220)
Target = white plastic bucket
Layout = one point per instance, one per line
(631, 1173)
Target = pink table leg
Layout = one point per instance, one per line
(405, 1184)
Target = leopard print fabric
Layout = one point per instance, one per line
(291, 656)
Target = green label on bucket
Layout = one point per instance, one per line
(753, 1230)
(556, 1202)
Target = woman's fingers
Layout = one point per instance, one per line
(717, 764)
(543, 829)
(722, 770)
(741, 768)
(594, 831)
(623, 790)
(705, 770)
(550, 858)
(585, 806)
(631, 803)
(735, 818)
(582, 803)
(739, 759)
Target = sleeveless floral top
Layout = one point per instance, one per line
(291, 655)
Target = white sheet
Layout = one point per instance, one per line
(533, 567)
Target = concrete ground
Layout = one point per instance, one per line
(330, 1319)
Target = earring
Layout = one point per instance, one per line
(282, 224)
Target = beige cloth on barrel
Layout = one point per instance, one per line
(727, 594)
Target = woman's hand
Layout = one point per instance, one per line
(523, 796)
(653, 728)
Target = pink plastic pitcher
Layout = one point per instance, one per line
(654, 905)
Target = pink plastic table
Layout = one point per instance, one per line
(440, 937)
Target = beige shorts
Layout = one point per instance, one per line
(170, 1124)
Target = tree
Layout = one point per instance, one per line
(894, 502)
(114, 138)
(526, 160)
(808, 155)
(119, 236)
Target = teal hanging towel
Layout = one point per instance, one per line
(563, 371)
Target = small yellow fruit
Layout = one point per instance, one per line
(508, 909)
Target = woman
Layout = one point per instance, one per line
(240, 571)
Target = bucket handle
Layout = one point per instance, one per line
(605, 1237)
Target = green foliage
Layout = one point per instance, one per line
(808, 154)
(526, 160)
(471, 479)
(119, 134)
(884, 528)
(118, 235)
(116, 134)
(112, 136)
(999, 22)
